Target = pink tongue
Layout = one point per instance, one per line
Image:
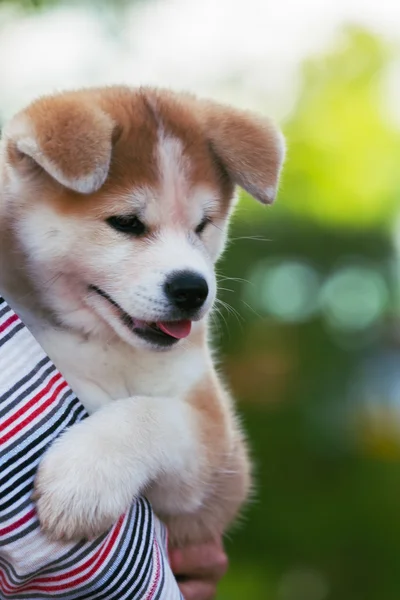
(176, 329)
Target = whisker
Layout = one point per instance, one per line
(216, 226)
(216, 324)
(47, 285)
(239, 279)
(251, 238)
(231, 310)
(220, 314)
(252, 309)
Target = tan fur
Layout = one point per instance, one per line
(229, 482)
(165, 422)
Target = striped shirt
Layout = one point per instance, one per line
(127, 563)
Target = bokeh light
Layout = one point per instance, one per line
(303, 584)
(287, 290)
(354, 297)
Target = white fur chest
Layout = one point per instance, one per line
(100, 372)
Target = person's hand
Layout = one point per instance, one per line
(198, 569)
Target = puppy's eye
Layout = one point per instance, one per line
(201, 226)
(129, 224)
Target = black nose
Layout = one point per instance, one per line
(186, 290)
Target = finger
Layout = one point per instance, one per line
(204, 561)
(195, 556)
(198, 590)
(200, 561)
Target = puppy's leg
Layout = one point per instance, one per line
(91, 474)
(200, 509)
(228, 489)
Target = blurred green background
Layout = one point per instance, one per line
(308, 327)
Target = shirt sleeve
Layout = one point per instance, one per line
(36, 405)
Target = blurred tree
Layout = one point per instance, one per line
(343, 151)
(324, 525)
(36, 4)
(111, 12)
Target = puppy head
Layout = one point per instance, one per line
(120, 201)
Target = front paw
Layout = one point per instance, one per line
(80, 491)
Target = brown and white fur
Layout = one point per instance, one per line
(161, 423)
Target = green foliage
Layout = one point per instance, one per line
(343, 151)
(43, 4)
(324, 525)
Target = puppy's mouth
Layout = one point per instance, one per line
(160, 333)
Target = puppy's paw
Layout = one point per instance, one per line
(80, 491)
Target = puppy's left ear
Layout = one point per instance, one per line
(66, 137)
(251, 149)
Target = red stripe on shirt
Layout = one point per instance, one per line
(10, 321)
(18, 523)
(36, 412)
(99, 559)
(156, 581)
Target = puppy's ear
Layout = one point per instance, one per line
(251, 149)
(69, 138)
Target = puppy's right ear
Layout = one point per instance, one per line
(68, 137)
(250, 148)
